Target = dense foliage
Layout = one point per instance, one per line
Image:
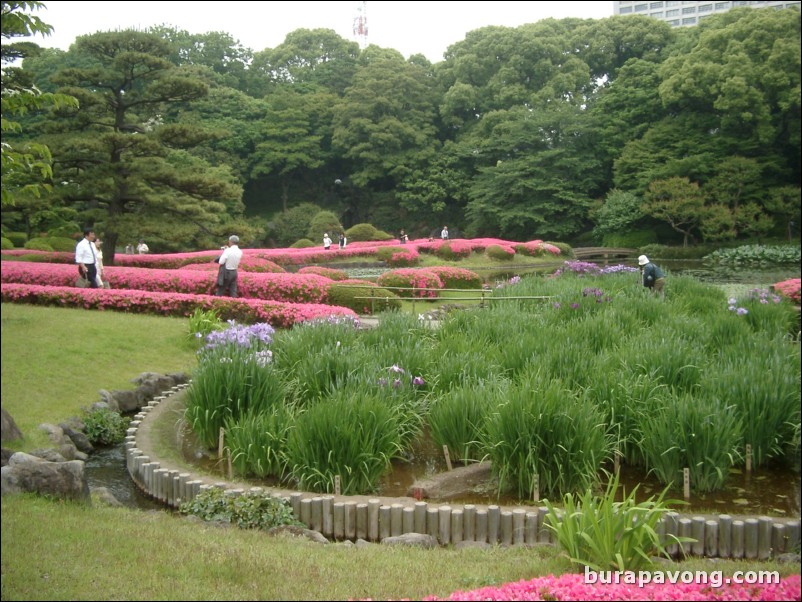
(551, 129)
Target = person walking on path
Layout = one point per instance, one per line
(99, 263)
(142, 248)
(229, 263)
(326, 241)
(444, 233)
(653, 277)
(86, 258)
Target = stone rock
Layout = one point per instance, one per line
(297, 532)
(465, 545)
(55, 434)
(460, 483)
(413, 540)
(128, 401)
(9, 431)
(78, 438)
(5, 455)
(29, 474)
(49, 454)
(107, 402)
(105, 496)
(151, 385)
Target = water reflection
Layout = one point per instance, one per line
(106, 468)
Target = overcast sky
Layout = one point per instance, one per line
(409, 27)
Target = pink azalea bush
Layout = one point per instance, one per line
(571, 586)
(277, 314)
(411, 277)
(330, 273)
(789, 289)
(537, 248)
(404, 259)
(500, 252)
(453, 277)
(294, 288)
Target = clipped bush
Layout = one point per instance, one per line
(362, 233)
(303, 243)
(322, 222)
(292, 224)
(453, 277)
(248, 510)
(347, 296)
(452, 251)
(321, 271)
(409, 278)
(500, 253)
(398, 257)
(18, 238)
(40, 244)
(385, 253)
(61, 243)
(6, 244)
(105, 427)
(565, 249)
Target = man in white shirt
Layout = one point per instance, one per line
(85, 257)
(444, 233)
(229, 262)
(142, 248)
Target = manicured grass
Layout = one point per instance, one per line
(64, 551)
(55, 360)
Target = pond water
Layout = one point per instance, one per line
(106, 468)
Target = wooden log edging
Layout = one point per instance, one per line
(342, 518)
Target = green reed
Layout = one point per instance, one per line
(352, 437)
(228, 382)
(698, 433)
(258, 441)
(541, 428)
(458, 417)
(762, 381)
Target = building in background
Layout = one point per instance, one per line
(679, 14)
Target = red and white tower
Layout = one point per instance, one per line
(361, 24)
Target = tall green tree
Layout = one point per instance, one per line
(25, 166)
(117, 155)
(678, 202)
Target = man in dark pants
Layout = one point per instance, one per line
(653, 277)
(229, 262)
(85, 257)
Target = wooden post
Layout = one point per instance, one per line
(536, 487)
(221, 439)
(686, 482)
(413, 299)
(372, 302)
(336, 484)
(448, 457)
(229, 464)
(748, 457)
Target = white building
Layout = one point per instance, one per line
(678, 14)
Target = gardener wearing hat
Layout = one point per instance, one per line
(653, 276)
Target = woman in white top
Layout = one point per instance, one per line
(99, 262)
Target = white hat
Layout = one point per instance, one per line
(643, 260)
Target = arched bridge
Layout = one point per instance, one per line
(603, 252)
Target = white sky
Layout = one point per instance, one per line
(409, 27)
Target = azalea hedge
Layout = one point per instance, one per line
(277, 314)
(571, 586)
(293, 288)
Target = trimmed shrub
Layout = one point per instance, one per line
(6, 244)
(324, 221)
(40, 244)
(303, 243)
(362, 233)
(321, 271)
(346, 296)
(18, 238)
(452, 277)
(408, 278)
(500, 253)
(292, 224)
(565, 248)
(386, 253)
(61, 243)
(452, 251)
